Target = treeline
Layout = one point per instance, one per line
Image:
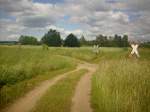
(146, 44)
(28, 40)
(8, 42)
(53, 38)
(107, 41)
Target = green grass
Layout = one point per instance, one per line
(86, 53)
(7, 94)
(122, 86)
(22, 69)
(59, 97)
(20, 64)
(83, 53)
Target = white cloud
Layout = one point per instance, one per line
(64, 33)
(94, 17)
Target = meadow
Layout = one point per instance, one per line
(21, 69)
(120, 84)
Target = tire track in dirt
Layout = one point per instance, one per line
(81, 99)
(26, 103)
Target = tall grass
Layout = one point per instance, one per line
(87, 54)
(20, 64)
(23, 68)
(122, 86)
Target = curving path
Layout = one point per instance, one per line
(26, 103)
(81, 99)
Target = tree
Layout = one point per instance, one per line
(71, 41)
(110, 42)
(28, 40)
(125, 41)
(117, 41)
(83, 40)
(52, 38)
(101, 40)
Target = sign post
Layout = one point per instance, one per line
(134, 50)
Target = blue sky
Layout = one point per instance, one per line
(49, 1)
(81, 17)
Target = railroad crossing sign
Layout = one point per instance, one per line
(134, 50)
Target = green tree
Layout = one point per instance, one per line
(125, 41)
(52, 38)
(117, 41)
(83, 40)
(71, 41)
(110, 42)
(28, 40)
(101, 40)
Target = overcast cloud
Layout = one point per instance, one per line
(81, 17)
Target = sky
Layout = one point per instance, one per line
(81, 17)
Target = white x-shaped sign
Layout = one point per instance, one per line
(135, 50)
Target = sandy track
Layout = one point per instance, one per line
(81, 99)
(26, 103)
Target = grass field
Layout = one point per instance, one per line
(121, 84)
(22, 69)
